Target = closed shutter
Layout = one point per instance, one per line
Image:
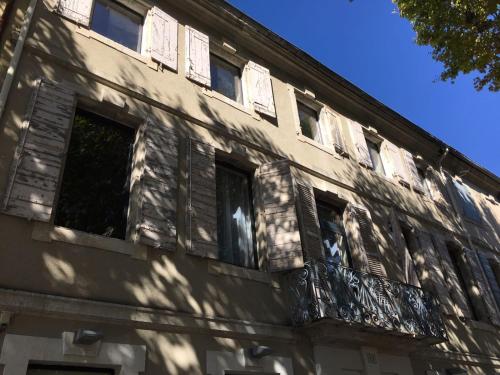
(202, 200)
(438, 190)
(358, 138)
(430, 271)
(40, 153)
(451, 277)
(482, 286)
(261, 89)
(467, 205)
(158, 185)
(197, 56)
(392, 158)
(332, 131)
(490, 277)
(76, 10)
(416, 182)
(311, 233)
(163, 29)
(283, 235)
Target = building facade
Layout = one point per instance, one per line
(184, 192)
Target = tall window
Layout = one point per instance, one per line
(117, 23)
(467, 205)
(309, 122)
(95, 186)
(374, 151)
(226, 78)
(333, 235)
(235, 227)
(424, 181)
(411, 275)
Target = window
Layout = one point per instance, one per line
(309, 123)
(95, 186)
(235, 227)
(467, 205)
(333, 235)
(117, 23)
(424, 181)
(226, 79)
(411, 275)
(374, 151)
(66, 370)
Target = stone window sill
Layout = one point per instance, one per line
(216, 95)
(49, 233)
(312, 142)
(224, 269)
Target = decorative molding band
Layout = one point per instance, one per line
(470, 358)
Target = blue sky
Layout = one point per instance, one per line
(369, 45)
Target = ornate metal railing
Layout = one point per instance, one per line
(323, 290)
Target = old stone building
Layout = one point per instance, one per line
(184, 192)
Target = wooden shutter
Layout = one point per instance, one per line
(412, 170)
(482, 286)
(438, 190)
(490, 277)
(333, 135)
(360, 145)
(40, 153)
(202, 200)
(163, 29)
(467, 205)
(76, 10)
(283, 235)
(158, 185)
(451, 277)
(429, 270)
(197, 56)
(261, 89)
(309, 222)
(393, 162)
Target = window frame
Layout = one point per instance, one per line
(377, 142)
(461, 204)
(241, 76)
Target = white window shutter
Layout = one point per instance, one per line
(359, 141)
(332, 131)
(393, 161)
(197, 56)
(76, 10)
(416, 182)
(163, 42)
(325, 124)
(261, 89)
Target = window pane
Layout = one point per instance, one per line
(226, 78)
(375, 156)
(95, 188)
(235, 236)
(117, 23)
(333, 235)
(309, 122)
(423, 181)
(468, 206)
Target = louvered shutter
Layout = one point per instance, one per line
(430, 271)
(393, 161)
(261, 89)
(158, 185)
(76, 10)
(491, 278)
(202, 200)
(197, 56)
(360, 145)
(310, 229)
(163, 29)
(331, 124)
(451, 277)
(482, 286)
(467, 205)
(282, 227)
(40, 153)
(412, 170)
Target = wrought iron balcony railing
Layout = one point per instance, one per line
(324, 290)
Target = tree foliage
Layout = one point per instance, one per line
(464, 35)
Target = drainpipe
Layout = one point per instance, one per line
(14, 62)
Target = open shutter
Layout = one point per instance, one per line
(40, 153)
(158, 185)
(76, 10)
(482, 286)
(202, 200)
(491, 278)
(331, 125)
(393, 161)
(261, 89)
(283, 235)
(197, 56)
(360, 145)
(430, 271)
(310, 229)
(163, 29)
(416, 182)
(451, 277)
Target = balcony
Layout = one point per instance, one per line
(330, 293)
